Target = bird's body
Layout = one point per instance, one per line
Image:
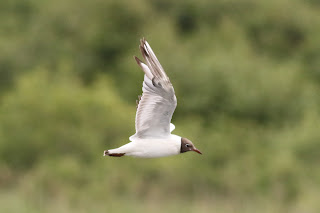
(155, 108)
(150, 147)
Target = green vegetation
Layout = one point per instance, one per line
(247, 78)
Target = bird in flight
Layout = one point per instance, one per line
(155, 108)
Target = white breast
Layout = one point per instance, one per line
(151, 148)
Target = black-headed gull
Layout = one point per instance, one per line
(155, 108)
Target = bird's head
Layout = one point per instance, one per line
(187, 145)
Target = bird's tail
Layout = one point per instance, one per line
(107, 153)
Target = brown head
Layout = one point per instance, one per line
(187, 145)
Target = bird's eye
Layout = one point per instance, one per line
(187, 145)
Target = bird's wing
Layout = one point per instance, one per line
(172, 127)
(156, 105)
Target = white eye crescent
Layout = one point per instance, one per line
(187, 145)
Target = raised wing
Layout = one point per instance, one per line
(158, 101)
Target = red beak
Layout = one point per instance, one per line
(197, 150)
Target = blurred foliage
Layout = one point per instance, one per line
(247, 77)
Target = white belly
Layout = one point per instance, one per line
(151, 148)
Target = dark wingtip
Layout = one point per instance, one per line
(142, 42)
(142, 47)
(143, 51)
(137, 60)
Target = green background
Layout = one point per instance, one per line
(246, 75)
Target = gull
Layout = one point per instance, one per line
(155, 108)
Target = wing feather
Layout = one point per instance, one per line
(158, 101)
